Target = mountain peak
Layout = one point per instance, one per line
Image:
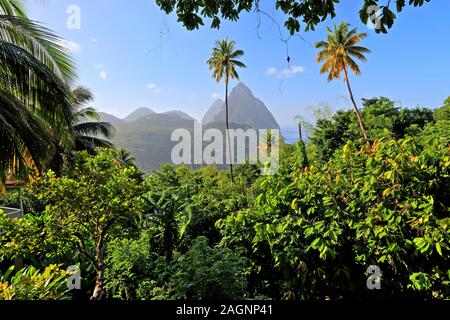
(180, 114)
(244, 109)
(138, 114)
(241, 89)
(143, 109)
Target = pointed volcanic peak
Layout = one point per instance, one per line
(241, 90)
(139, 114)
(244, 109)
(213, 111)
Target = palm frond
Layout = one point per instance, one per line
(238, 64)
(90, 143)
(34, 83)
(95, 128)
(82, 96)
(337, 51)
(12, 8)
(41, 42)
(26, 142)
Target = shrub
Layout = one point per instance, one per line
(31, 284)
(314, 233)
(206, 273)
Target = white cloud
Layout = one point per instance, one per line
(71, 46)
(153, 87)
(94, 40)
(101, 71)
(286, 73)
(215, 95)
(271, 71)
(292, 71)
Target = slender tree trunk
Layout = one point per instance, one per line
(300, 131)
(99, 282)
(100, 271)
(358, 114)
(304, 156)
(228, 129)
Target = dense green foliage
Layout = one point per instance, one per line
(308, 232)
(321, 227)
(91, 203)
(382, 119)
(137, 272)
(30, 284)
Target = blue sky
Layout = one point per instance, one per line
(132, 55)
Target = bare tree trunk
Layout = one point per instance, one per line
(100, 271)
(358, 114)
(99, 282)
(227, 129)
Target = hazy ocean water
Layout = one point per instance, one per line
(290, 135)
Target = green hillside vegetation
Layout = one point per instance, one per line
(147, 134)
(149, 138)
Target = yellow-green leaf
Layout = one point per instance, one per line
(438, 248)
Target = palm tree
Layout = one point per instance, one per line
(35, 75)
(86, 125)
(125, 157)
(83, 130)
(165, 212)
(128, 161)
(338, 52)
(223, 62)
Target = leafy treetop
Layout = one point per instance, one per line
(309, 12)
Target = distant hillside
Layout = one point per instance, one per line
(244, 109)
(163, 120)
(148, 138)
(148, 134)
(106, 117)
(151, 144)
(181, 114)
(213, 112)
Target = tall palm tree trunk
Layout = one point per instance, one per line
(358, 114)
(228, 129)
(300, 135)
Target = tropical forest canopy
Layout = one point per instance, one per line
(369, 187)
